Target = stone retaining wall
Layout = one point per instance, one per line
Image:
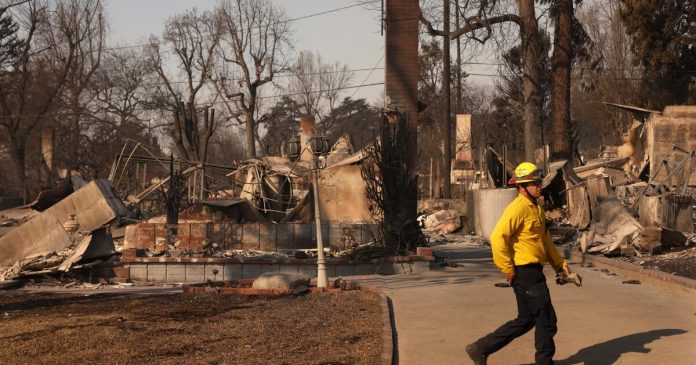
(268, 237)
(196, 270)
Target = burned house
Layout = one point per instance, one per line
(622, 197)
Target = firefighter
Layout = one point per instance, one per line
(521, 245)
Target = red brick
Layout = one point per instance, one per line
(160, 230)
(424, 251)
(198, 230)
(129, 252)
(183, 241)
(122, 273)
(195, 244)
(146, 235)
(131, 238)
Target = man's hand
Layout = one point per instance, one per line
(510, 278)
(566, 269)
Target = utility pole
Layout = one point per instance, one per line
(446, 88)
(458, 105)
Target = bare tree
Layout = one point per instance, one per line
(305, 82)
(119, 88)
(193, 38)
(616, 79)
(477, 23)
(80, 23)
(10, 44)
(254, 36)
(533, 95)
(118, 109)
(319, 87)
(34, 85)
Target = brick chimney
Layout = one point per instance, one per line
(401, 86)
(307, 129)
(401, 71)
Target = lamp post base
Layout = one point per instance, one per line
(322, 279)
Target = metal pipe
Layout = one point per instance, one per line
(505, 165)
(430, 193)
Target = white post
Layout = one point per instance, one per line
(322, 279)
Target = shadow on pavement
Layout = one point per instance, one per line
(608, 352)
(395, 334)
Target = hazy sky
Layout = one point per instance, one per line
(350, 36)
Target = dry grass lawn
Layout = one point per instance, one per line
(338, 328)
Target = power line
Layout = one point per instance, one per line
(317, 91)
(256, 27)
(580, 68)
(368, 75)
(277, 75)
(199, 104)
(208, 35)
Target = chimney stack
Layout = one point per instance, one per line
(307, 130)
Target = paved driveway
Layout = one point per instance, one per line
(604, 322)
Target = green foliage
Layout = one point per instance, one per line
(10, 44)
(353, 116)
(280, 123)
(357, 118)
(663, 35)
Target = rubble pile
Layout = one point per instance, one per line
(635, 201)
(680, 261)
(37, 263)
(441, 221)
(69, 234)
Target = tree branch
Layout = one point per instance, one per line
(471, 24)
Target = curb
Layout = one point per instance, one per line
(656, 278)
(387, 329)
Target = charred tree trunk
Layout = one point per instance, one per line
(172, 200)
(389, 183)
(191, 139)
(561, 65)
(533, 95)
(75, 129)
(250, 140)
(18, 156)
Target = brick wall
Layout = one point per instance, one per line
(675, 126)
(246, 236)
(401, 72)
(401, 77)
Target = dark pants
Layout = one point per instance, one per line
(534, 309)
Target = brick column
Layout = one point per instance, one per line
(401, 89)
(401, 71)
(307, 130)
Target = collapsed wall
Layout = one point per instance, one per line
(675, 126)
(94, 206)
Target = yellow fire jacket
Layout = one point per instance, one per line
(520, 237)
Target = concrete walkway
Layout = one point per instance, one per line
(604, 322)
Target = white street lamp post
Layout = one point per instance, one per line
(319, 146)
(322, 279)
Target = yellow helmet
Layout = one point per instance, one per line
(526, 172)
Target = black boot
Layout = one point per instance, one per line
(475, 354)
